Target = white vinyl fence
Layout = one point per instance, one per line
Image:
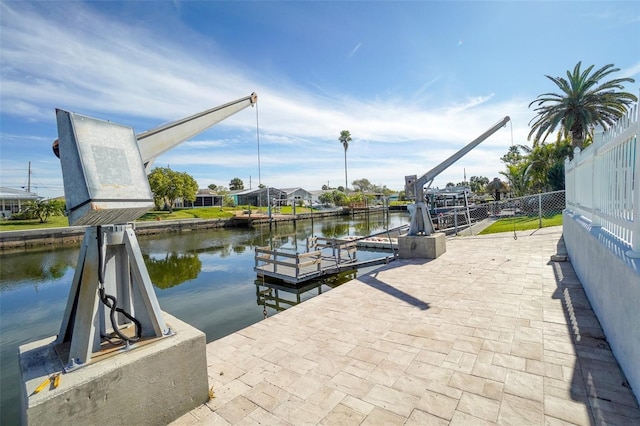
(601, 231)
(602, 182)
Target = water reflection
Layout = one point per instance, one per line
(334, 230)
(280, 296)
(173, 269)
(205, 278)
(22, 269)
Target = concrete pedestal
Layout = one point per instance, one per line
(421, 246)
(154, 383)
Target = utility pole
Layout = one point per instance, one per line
(29, 178)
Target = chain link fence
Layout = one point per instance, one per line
(456, 218)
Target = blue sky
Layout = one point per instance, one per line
(412, 81)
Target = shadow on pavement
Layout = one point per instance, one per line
(372, 281)
(597, 381)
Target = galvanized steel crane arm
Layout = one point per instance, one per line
(420, 217)
(433, 173)
(155, 142)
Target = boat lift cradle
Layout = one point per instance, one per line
(421, 223)
(104, 167)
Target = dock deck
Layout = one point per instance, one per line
(491, 332)
(324, 256)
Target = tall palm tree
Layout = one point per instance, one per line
(586, 100)
(345, 138)
(518, 177)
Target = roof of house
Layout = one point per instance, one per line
(206, 191)
(15, 194)
(290, 191)
(318, 192)
(255, 191)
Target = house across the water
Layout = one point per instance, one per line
(13, 201)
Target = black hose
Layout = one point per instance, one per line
(110, 301)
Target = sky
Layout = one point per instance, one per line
(413, 82)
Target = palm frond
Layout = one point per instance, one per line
(582, 103)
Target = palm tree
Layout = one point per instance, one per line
(43, 209)
(345, 138)
(583, 103)
(513, 156)
(478, 184)
(518, 177)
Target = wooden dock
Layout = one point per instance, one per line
(323, 256)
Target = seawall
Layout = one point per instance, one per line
(70, 235)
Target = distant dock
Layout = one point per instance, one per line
(323, 256)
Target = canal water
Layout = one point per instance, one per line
(204, 278)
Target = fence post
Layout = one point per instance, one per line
(634, 253)
(539, 210)
(455, 218)
(596, 177)
(577, 153)
(568, 179)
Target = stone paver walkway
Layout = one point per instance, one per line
(492, 332)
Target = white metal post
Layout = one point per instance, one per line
(597, 175)
(635, 225)
(539, 210)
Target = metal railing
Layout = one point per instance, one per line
(602, 182)
(288, 264)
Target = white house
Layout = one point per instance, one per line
(12, 200)
(294, 195)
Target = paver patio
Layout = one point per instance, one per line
(491, 332)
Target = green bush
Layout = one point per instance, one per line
(23, 215)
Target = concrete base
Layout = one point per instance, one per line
(421, 246)
(154, 383)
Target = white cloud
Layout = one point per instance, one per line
(354, 50)
(631, 71)
(130, 73)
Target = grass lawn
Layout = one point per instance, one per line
(522, 223)
(23, 225)
(198, 213)
(289, 210)
(215, 212)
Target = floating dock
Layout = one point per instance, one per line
(373, 242)
(323, 256)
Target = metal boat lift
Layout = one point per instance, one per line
(421, 223)
(112, 303)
